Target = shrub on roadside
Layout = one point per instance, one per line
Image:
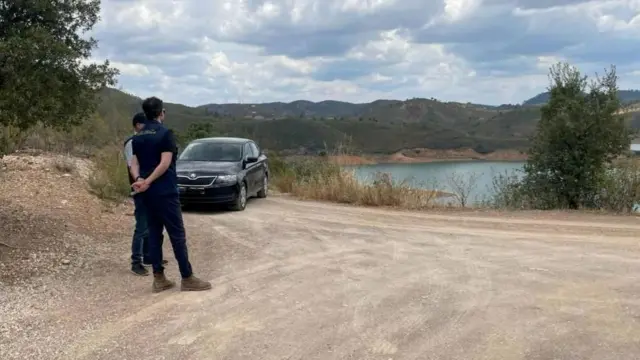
(110, 179)
(318, 178)
(507, 192)
(619, 190)
(580, 133)
(620, 187)
(10, 138)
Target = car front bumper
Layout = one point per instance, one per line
(222, 194)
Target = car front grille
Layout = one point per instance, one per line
(197, 181)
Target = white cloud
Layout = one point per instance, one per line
(489, 51)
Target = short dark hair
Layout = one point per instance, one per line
(152, 107)
(139, 118)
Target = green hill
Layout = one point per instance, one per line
(626, 96)
(383, 126)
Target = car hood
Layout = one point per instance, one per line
(207, 167)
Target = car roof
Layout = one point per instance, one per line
(227, 140)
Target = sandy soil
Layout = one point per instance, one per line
(305, 280)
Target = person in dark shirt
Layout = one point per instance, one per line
(154, 170)
(139, 242)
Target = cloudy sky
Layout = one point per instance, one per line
(484, 51)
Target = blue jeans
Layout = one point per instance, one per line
(140, 241)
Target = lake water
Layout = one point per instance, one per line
(445, 175)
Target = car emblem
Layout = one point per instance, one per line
(192, 176)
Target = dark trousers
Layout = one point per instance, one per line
(140, 240)
(164, 212)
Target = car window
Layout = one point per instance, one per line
(211, 151)
(247, 151)
(254, 149)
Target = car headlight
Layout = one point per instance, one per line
(227, 179)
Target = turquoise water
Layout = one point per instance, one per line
(445, 176)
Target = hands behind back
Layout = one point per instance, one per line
(140, 186)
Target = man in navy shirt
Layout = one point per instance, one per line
(154, 171)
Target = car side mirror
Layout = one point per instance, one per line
(251, 159)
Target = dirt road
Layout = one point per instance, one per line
(302, 280)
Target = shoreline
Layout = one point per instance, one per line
(422, 156)
(427, 161)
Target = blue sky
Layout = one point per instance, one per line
(483, 51)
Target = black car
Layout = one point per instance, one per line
(222, 170)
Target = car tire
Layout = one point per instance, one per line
(241, 201)
(265, 187)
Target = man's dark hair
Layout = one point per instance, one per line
(152, 107)
(139, 118)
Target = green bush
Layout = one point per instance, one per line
(578, 136)
(618, 190)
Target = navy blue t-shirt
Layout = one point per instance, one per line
(148, 145)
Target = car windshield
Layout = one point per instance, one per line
(211, 151)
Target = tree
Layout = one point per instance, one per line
(45, 75)
(196, 131)
(578, 135)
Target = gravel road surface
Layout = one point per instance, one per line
(305, 280)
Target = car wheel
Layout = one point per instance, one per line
(265, 187)
(241, 201)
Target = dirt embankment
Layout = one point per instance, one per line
(429, 155)
(49, 221)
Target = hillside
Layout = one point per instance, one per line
(626, 96)
(380, 127)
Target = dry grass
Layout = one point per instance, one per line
(619, 190)
(321, 179)
(110, 181)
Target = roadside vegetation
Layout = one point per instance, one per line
(577, 158)
(321, 179)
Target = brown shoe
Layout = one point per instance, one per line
(161, 283)
(192, 283)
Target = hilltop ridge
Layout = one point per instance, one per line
(379, 127)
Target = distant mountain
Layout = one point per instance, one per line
(295, 109)
(626, 96)
(382, 126)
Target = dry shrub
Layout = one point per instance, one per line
(110, 180)
(462, 186)
(621, 187)
(10, 138)
(64, 164)
(619, 190)
(320, 179)
(283, 176)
